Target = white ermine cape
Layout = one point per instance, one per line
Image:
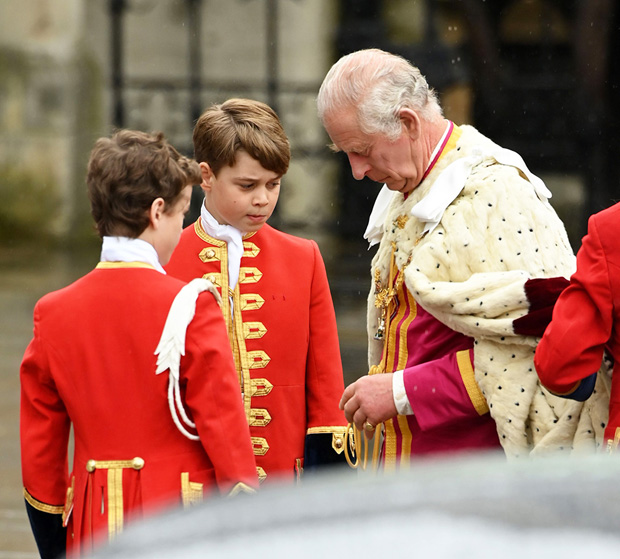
(469, 272)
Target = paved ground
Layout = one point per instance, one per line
(26, 275)
(29, 273)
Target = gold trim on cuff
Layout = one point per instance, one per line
(467, 374)
(241, 488)
(338, 435)
(340, 429)
(43, 507)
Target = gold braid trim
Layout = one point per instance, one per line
(340, 429)
(191, 491)
(115, 488)
(114, 265)
(353, 445)
(43, 507)
(469, 381)
(241, 488)
(338, 435)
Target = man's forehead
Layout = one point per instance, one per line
(354, 140)
(347, 136)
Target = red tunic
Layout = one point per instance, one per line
(283, 332)
(586, 319)
(91, 364)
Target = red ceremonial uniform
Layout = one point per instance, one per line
(282, 329)
(91, 364)
(586, 320)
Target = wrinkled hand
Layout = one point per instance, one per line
(369, 398)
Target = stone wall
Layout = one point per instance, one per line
(49, 111)
(56, 95)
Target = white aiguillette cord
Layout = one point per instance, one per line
(172, 346)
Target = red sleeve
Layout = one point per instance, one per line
(214, 398)
(324, 379)
(44, 429)
(444, 391)
(572, 346)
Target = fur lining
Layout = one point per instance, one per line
(470, 272)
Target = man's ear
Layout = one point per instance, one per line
(156, 211)
(411, 122)
(207, 176)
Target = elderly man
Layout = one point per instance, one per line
(457, 303)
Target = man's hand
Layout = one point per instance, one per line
(369, 400)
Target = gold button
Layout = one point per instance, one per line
(137, 463)
(210, 253)
(338, 443)
(91, 466)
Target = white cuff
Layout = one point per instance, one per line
(403, 407)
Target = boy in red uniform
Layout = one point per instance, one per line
(276, 299)
(151, 393)
(585, 322)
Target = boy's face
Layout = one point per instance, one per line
(243, 195)
(171, 226)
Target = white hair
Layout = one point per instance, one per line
(379, 84)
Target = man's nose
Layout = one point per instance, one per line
(359, 166)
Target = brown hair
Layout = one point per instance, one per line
(241, 124)
(127, 172)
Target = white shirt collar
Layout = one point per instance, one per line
(127, 249)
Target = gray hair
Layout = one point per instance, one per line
(379, 84)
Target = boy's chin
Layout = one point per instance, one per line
(252, 226)
(252, 229)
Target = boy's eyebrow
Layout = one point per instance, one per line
(254, 179)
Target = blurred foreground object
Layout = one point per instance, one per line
(479, 507)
